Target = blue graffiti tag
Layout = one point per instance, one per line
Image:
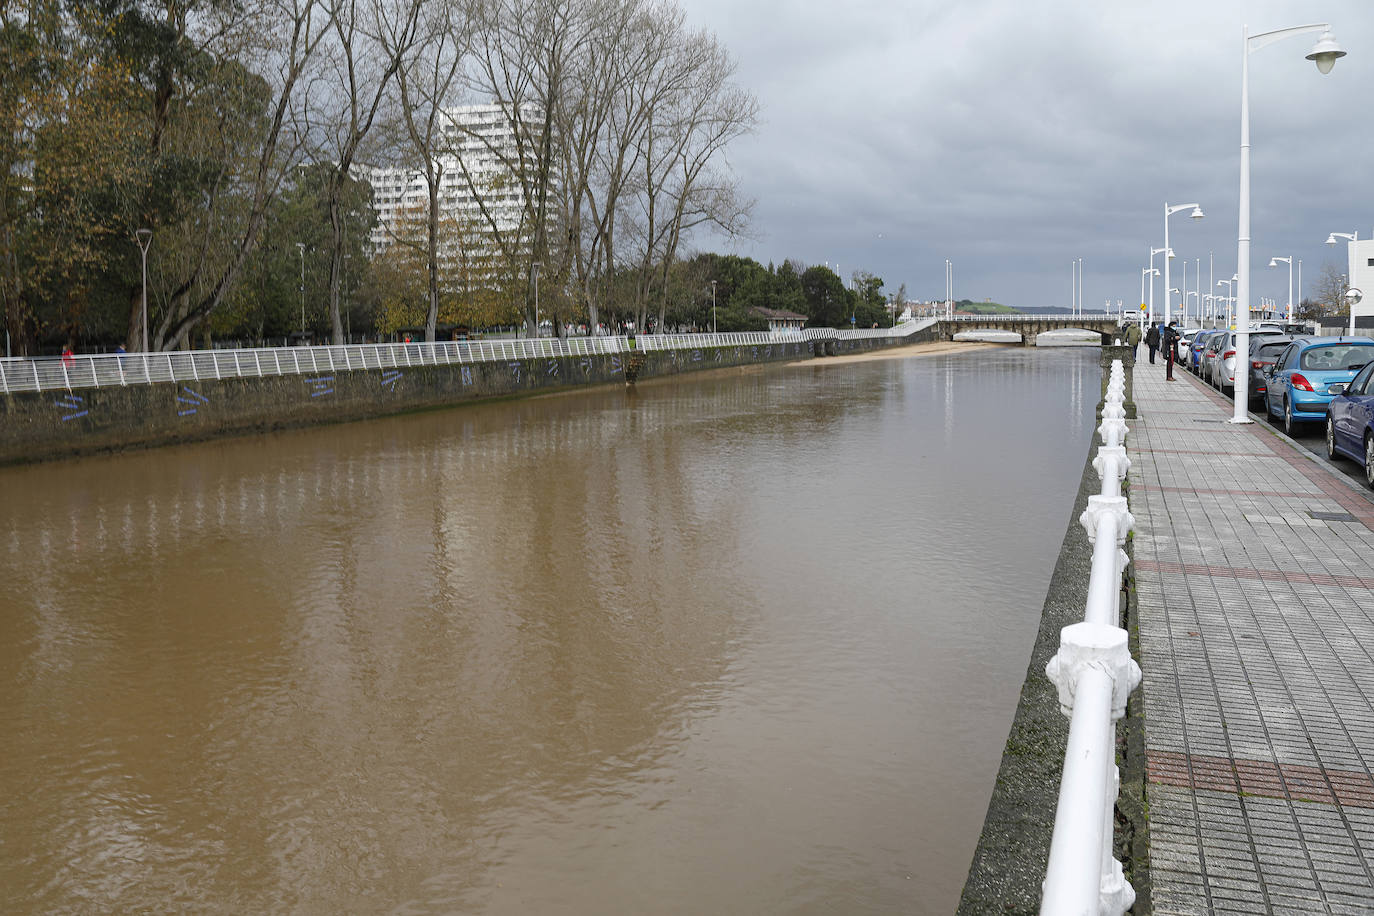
(586, 366)
(389, 378)
(195, 399)
(467, 375)
(321, 386)
(615, 364)
(553, 368)
(74, 403)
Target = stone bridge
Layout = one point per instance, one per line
(1029, 326)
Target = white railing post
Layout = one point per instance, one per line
(1094, 673)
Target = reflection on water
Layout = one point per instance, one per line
(748, 642)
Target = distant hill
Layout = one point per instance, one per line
(984, 308)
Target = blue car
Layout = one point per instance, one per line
(1299, 385)
(1198, 345)
(1350, 423)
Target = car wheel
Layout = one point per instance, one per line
(1290, 426)
(1331, 438)
(1369, 460)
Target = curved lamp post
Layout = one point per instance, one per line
(1324, 54)
(1229, 293)
(1275, 262)
(1170, 211)
(1349, 237)
(144, 238)
(1153, 252)
(1153, 272)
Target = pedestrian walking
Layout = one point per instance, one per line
(1152, 340)
(1133, 338)
(1168, 339)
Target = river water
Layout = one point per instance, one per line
(745, 642)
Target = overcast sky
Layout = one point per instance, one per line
(1013, 136)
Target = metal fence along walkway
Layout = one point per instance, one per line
(117, 369)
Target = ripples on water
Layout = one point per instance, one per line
(748, 642)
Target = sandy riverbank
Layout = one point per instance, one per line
(932, 348)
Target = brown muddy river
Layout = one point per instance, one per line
(739, 643)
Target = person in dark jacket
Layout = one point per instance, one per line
(1168, 339)
(1152, 340)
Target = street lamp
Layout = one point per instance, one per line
(301, 246)
(144, 237)
(1153, 252)
(1228, 298)
(1153, 272)
(1274, 262)
(534, 268)
(713, 306)
(1349, 237)
(949, 289)
(1324, 54)
(1170, 211)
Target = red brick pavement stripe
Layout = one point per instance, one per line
(1240, 572)
(1213, 492)
(1211, 453)
(1348, 788)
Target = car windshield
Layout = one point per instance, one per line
(1337, 356)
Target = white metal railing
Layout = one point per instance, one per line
(116, 369)
(1094, 673)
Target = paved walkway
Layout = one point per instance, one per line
(1254, 565)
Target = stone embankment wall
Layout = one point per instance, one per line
(38, 426)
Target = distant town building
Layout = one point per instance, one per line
(482, 139)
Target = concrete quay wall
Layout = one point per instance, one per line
(39, 426)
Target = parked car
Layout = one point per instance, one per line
(1209, 355)
(1350, 422)
(1299, 385)
(1221, 370)
(1263, 352)
(1185, 341)
(1195, 350)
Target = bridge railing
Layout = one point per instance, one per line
(1023, 318)
(1095, 673)
(118, 369)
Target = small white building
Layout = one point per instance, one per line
(781, 319)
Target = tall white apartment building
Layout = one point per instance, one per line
(482, 139)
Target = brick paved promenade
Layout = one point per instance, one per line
(1254, 564)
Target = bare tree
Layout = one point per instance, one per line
(278, 38)
(684, 182)
(427, 78)
(369, 40)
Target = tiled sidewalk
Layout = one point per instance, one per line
(1256, 634)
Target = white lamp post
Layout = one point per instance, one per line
(1324, 54)
(949, 289)
(1169, 211)
(1274, 262)
(1349, 237)
(1153, 252)
(534, 268)
(713, 306)
(144, 237)
(301, 247)
(1228, 298)
(1153, 272)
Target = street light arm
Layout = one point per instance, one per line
(1170, 211)
(1264, 39)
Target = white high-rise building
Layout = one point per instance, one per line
(482, 139)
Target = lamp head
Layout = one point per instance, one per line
(1331, 239)
(1326, 52)
(1273, 262)
(1197, 213)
